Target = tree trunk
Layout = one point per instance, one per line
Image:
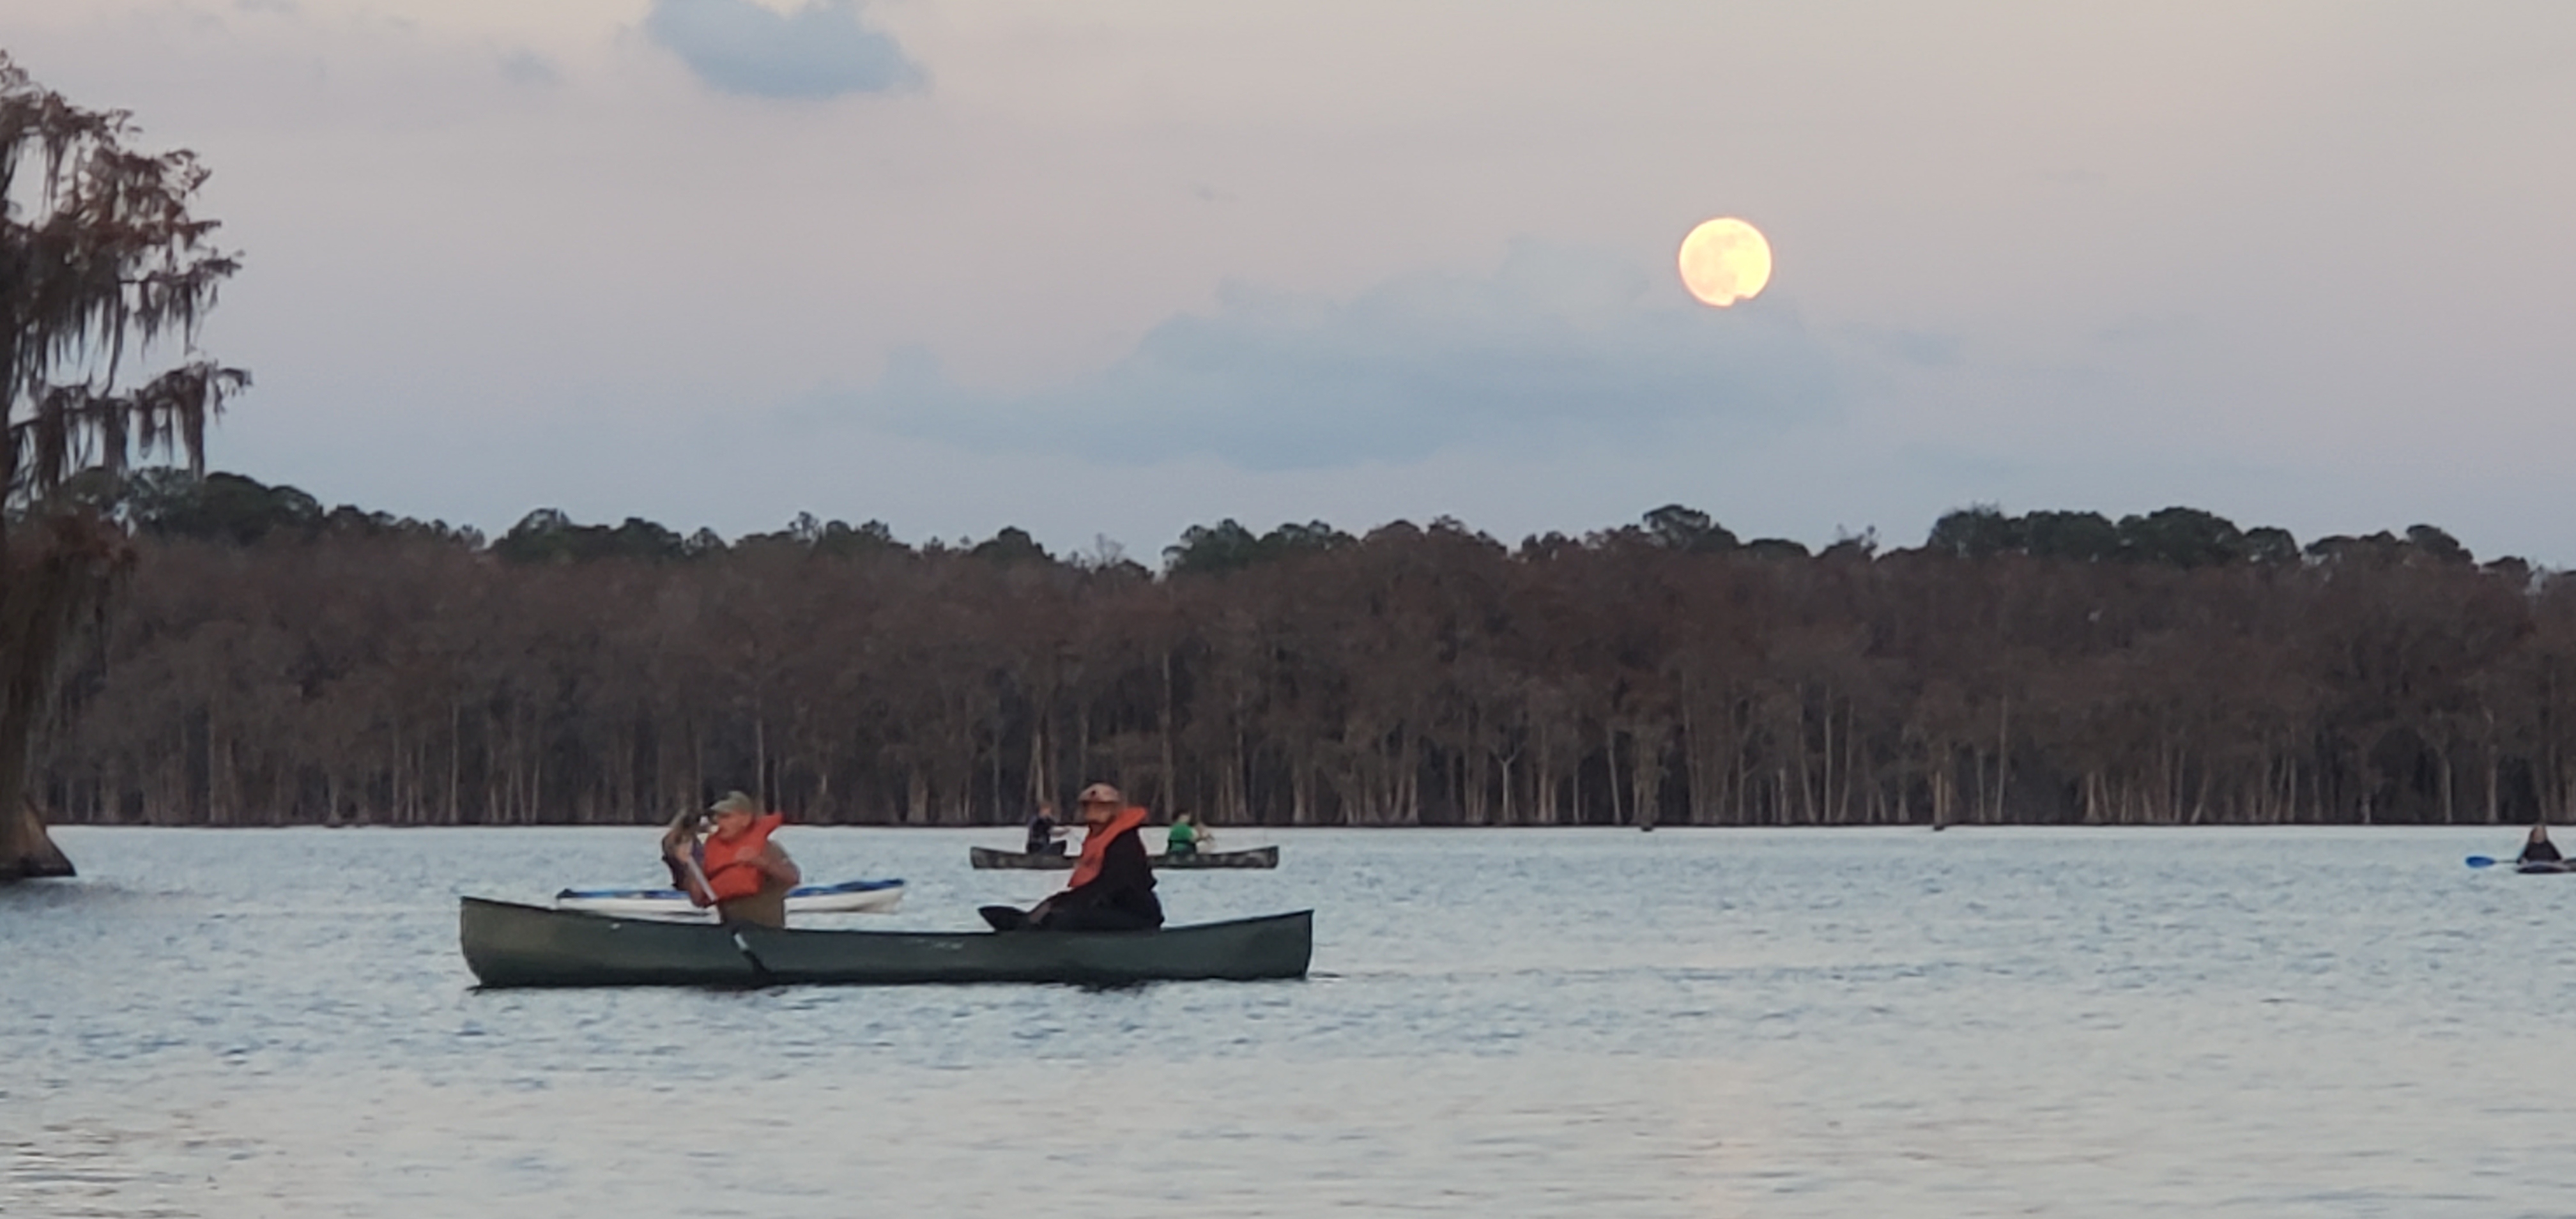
(26, 850)
(46, 591)
(1168, 790)
(2003, 755)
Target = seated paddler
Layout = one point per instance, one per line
(2537, 848)
(1184, 837)
(736, 869)
(1113, 881)
(1045, 836)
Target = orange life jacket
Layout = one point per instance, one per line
(1095, 845)
(733, 865)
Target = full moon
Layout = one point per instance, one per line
(1724, 261)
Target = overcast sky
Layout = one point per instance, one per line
(1111, 269)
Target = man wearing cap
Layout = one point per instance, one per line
(738, 870)
(1113, 881)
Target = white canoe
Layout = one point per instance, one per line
(847, 897)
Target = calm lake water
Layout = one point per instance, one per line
(1704, 1023)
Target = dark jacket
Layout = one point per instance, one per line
(2542, 851)
(1125, 883)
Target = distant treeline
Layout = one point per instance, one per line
(274, 662)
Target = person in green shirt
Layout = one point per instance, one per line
(1184, 837)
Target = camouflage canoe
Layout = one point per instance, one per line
(1258, 857)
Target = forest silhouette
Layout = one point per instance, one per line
(276, 663)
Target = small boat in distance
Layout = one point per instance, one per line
(1257, 857)
(507, 944)
(847, 897)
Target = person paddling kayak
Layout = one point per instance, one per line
(2536, 846)
(737, 869)
(1113, 881)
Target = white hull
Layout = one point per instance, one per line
(876, 897)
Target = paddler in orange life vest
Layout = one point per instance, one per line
(1113, 881)
(750, 875)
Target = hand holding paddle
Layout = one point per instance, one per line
(678, 846)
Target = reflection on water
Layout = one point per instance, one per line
(2083, 1023)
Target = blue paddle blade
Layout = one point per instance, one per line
(2481, 861)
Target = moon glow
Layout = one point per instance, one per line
(1724, 261)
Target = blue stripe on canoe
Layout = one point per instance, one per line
(847, 886)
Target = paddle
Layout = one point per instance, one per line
(2481, 861)
(698, 877)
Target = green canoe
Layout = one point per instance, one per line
(508, 944)
(1257, 857)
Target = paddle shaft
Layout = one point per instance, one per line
(699, 876)
(740, 944)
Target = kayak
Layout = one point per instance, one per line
(1258, 857)
(2543, 868)
(847, 897)
(508, 944)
